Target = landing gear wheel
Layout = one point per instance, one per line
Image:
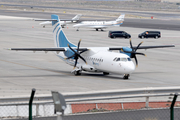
(105, 73)
(102, 30)
(126, 76)
(62, 26)
(77, 30)
(77, 72)
(96, 29)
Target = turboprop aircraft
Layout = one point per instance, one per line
(92, 59)
(100, 24)
(63, 22)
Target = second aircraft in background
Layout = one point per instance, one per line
(100, 24)
(63, 21)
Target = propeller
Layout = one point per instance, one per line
(133, 52)
(77, 54)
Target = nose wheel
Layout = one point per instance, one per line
(126, 76)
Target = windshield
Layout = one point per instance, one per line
(121, 59)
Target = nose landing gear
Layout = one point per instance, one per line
(126, 76)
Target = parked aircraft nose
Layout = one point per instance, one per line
(130, 67)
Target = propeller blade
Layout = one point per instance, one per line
(71, 56)
(82, 58)
(136, 61)
(72, 49)
(138, 45)
(131, 45)
(75, 64)
(83, 51)
(140, 53)
(78, 45)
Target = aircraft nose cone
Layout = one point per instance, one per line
(130, 68)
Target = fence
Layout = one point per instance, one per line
(144, 103)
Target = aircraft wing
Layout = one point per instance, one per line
(143, 47)
(45, 49)
(150, 47)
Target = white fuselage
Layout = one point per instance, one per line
(63, 23)
(97, 24)
(102, 60)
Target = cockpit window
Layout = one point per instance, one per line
(114, 59)
(129, 59)
(124, 59)
(118, 59)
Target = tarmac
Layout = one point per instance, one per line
(22, 71)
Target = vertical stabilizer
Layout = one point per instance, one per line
(60, 38)
(77, 17)
(120, 18)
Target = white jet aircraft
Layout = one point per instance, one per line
(63, 22)
(92, 59)
(100, 24)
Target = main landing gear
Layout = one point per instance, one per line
(77, 72)
(126, 76)
(98, 29)
(105, 73)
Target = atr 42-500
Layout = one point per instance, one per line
(92, 59)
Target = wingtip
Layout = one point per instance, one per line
(7, 48)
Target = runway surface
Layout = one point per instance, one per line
(22, 71)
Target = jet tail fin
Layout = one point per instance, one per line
(120, 18)
(77, 17)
